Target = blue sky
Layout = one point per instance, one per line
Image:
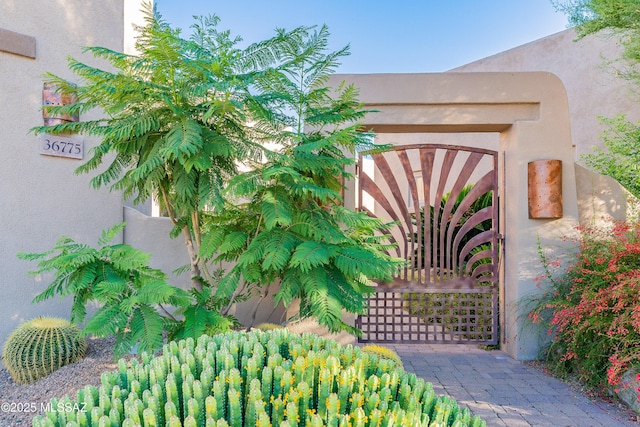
(405, 36)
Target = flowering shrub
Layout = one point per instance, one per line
(592, 308)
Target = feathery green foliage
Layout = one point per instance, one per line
(178, 118)
(175, 118)
(262, 379)
(285, 222)
(128, 291)
(620, 159)
(620, 16)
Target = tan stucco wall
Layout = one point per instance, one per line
(151, 235)
(530, 114)
(40, 197)
(602, 199)
(593, 88)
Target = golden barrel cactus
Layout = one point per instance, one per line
(268, 326)
(40, 346)
(383, 352)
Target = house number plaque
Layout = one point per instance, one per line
(62, 146)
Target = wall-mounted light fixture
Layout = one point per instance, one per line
(545, 189)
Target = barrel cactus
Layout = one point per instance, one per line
(40, 346)
(268, 326)
(272, 378)
(383, 352)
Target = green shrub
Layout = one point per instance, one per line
(40, 346)
(258, 379)
(133, 299)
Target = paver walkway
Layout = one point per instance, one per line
(504, 391)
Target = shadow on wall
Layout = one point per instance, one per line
(602, 199)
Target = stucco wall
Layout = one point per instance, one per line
(151, 235)
(593, 88)
(40, 197)
(602, 199)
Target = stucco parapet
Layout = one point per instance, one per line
(458, 102)
(455, 87)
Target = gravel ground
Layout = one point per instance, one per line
(20, 403)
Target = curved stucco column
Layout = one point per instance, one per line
(529, 111)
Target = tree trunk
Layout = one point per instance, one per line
(194, 259)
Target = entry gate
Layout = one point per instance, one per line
(443, 201)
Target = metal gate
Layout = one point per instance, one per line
(443, 202)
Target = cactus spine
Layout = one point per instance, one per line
(40, 346)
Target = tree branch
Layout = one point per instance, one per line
(233, 297)
(165, 197)
(165, 311)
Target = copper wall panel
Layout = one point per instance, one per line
(545, 189)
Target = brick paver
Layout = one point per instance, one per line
(504, 391)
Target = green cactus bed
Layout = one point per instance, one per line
(262, 379)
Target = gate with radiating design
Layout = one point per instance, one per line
(443, 201)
